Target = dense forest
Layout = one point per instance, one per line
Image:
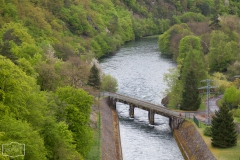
(204, 44)
(48, 48)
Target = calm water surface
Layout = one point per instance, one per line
(139, 69)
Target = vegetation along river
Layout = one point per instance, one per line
(139, 68)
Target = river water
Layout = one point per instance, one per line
(139, 69)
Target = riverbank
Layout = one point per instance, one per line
(110, 133)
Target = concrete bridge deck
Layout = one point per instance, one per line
(175, 118)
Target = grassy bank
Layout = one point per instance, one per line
(221, 154)
(95, 153)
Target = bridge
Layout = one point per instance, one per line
(175, 118)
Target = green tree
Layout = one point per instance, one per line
(191, 16)
(168, 42)
(20, 131)
(94, 77)
(232, 96)
(75, 106)
(16, 87)
(190, 58)
(190, 97)
(59, 141)
(109, 83)
(223, 129)
(174, 87)
(48, 79)
(222, 51)
(16, 43)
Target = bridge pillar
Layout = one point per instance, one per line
(170, 122)
(151, 117)
(114, 104)
(175, 122)
(131, 110)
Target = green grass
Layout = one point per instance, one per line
(95, 152)
(219, 103)
(237, 119)
(202, 107)
(232, 153)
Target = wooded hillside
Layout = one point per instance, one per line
(47, 48)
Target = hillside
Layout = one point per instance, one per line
(47, 49)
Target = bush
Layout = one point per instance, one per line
(236, 112)
(109, 83)
(207, 131)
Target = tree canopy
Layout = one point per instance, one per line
(223, 129)
(190, 97)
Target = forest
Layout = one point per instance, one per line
(48, 50)
(205, 45)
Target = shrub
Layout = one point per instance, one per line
(109, 83)
(207, 131)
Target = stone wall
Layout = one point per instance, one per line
(191, 143)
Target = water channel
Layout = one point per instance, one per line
(139, 68)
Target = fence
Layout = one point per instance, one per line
(196, 121)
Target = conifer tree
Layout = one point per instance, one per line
(94, 78)
(223, 129)
(190, 96)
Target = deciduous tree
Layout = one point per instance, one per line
(77, 107)
(222, 51)
(109, 83)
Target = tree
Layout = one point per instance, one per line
(59, 141)
(190, 58)
(74, 72)
(94, 78)
(223, 129)
(76, 104)
(16, 87)
(222, 51)
(174, 87)
(231, 96)
(109, 83)
(20, 131)
(48, 79)
(169, 41)
(190, 97)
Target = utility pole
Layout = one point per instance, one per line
(207, 87)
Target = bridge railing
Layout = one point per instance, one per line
(144, 104)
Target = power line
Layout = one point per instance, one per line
(207, 87)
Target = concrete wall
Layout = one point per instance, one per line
(110, 135)
(191, 143)
(189, 140)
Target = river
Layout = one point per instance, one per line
(139, 68)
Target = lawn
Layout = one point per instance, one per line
(232, 153)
